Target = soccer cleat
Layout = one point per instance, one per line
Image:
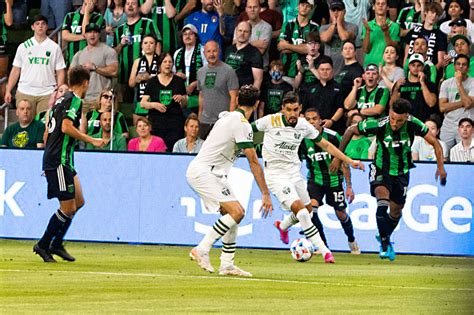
(329, 258)
(233, 271)
(44, 254)
(61, 252)
(391, 252)
(355, 249)
(283, 234)
(202, 259)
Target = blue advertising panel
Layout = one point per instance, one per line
(144, 198)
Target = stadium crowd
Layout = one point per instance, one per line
(161, 71)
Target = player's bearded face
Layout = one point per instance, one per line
(292, 112)
(397, 120)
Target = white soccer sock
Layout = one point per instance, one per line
(219, 229)
(228, 246)
(288, 221)
(311, 231)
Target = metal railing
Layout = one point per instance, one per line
(5, 107)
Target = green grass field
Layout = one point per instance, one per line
(114, 278)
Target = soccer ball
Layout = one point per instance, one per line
(301, 250)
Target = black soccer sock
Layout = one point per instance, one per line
(393, 222)
(59, 238)
(57, 221)
(383, 223)
(317, 223)
(348, 229)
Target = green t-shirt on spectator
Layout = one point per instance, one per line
(449, 73)
(119, 143)
(377, 41)
(17, 137)
(358, 148)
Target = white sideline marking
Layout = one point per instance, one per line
(150, 275)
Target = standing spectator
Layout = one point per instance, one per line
(231, 13)
(100, 60)
(370, 99)
(6, 19)
(261, 31)
(464, 150)
(244, 58)
(273, 90)
(455, 12)
(437, 40)
(461, 47)
(27, 132)
(456, 100)
(209, 22)
(114, 17)
(218, 86)
(115, 143)
(422, 150)
(307, 64)
(164, 96)
(55, 11)
(358, 146)
(378, 33)
(191, 143)
(410, 16)
(146, 142)
(357, 11)
(337, 32)
(351, 69)
(39, 67)
(187, 62)
(389, 71)
(421, 47)
(292, 37)
(74, 29)
(458, 27)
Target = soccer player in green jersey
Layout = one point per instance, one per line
(389, 172)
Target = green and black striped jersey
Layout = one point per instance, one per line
(318, 160)
(168, 27)
(409, 17)
(294, 34)
(59, 149)
(73, 24)
(132, 51)
(366, 99)
(393, 155)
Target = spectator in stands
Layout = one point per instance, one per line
(191, 143)
(307, 64)
(187, 61)
(389, 71)
(55, 11)
(464, 150)
(369, 100)
(39, 65)
(357, 11)
(114, 17)
(74, 25)
(455, 12)
(27, 132)
(458, 28)
(209, 22)
(5, 20)
(57, 94)
(421, 150)
(145, 142)
(218, 86)
(351, 69)
(437, 40)
(410, 16)
(417, 89)
(462, 47)
(273, 90)
(231, 13)
(90, 122)
(115, 143)
(143, 69)
(164, 96)
(337, 32)
(378, 33)
(127, 42)
(244, 58)
(292, 37)
(420, 46)
(456, 100)
(100, 60)
(358, 147)
(325, 96)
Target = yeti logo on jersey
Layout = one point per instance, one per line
(389, 142)
(286, 190)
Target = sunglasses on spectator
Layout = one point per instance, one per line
(107, 97)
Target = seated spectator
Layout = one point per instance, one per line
(307, 64)
(115, 143)
(351, 69)
(464, 150)
(145, 142)
(114, 17)
(358, 146)
(273, 90)
(90, 123)
(455, 11)
(27, 132)
(421, 150)
(164, 96)
(420, 46)
(389, 71)
(461, 47)
(191, 143)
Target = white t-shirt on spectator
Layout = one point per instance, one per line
(425, 150)
(458, 154)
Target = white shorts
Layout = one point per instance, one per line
(213, 189)
(287, 186)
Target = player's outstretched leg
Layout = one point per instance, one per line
(317, 223)
(284, 226)
(346, 224)
(227, 267)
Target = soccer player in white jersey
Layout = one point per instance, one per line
(284, 133)
(207, 175)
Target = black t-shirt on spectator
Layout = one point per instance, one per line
(347, 75)
(321, 10)
(437, 41)
(242, 61)
(272, 95)
(412, 92)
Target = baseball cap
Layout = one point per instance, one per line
(464, 38)
(191, 27)
(337, 5)
(416, 57)
(372, 67)
(458, 22)
(92, 27)
(37, 18)
(308, 1)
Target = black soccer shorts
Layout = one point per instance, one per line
(334, 195)
(61, 183)
(396, 185)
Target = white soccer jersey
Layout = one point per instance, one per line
(231, 133)
(38, 63)
(281, 141)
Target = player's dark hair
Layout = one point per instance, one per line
(77, 75)
(462, 56)
(465, 119)
(248, 95)
(312, 110)
(290, 97)
(401, 106)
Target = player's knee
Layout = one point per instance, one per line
(341, 215)
(382, 206)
